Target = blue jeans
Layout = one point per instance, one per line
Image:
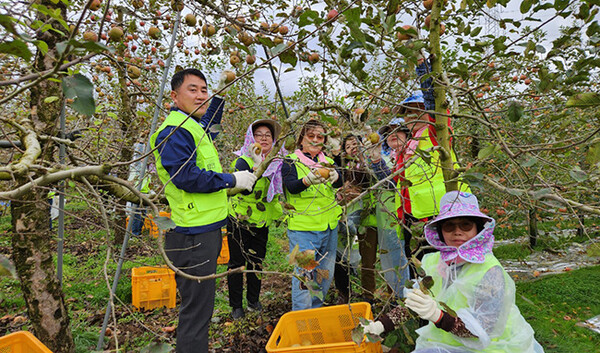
(391, 247)
(324, 243)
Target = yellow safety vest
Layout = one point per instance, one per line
(316, 208)
(192, 209)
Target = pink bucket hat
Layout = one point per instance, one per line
(462, 204)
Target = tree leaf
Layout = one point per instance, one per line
(164, 223)
(288, 57)
(540, 193)
(51, 99)
(215, 128)
(308, 17)
(157, 348)
(79, 88)
(514, 112)
(487, 151)
(526, 5)
(593, 154)
(16, 48)
(578, 174)
(585, 99)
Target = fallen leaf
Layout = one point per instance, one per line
(168, 329)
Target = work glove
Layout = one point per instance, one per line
(313, 178)
(220, 89)
(423, 305)
(373, 328)
(256, 155)
(244, 180)
(333, 176)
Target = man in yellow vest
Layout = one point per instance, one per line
(188, 165)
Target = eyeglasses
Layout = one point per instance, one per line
(262, 136)
(464, 224)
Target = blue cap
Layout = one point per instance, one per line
(417, 97)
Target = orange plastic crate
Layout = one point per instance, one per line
(328, 330)
(224, 255)
(22, 342)
(153, 287)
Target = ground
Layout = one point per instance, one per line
(553, 305)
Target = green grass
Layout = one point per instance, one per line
(553, 305)
(512, 251)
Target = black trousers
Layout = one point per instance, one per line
(196, 255)
(247, 247)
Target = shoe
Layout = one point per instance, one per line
(255, 306)
(237, 313)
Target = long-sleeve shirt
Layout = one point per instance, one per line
(178, 157)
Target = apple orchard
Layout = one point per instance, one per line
(518, 80)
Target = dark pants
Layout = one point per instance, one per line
(341, 277)
(196, 255)
(247, 247)
(367, 246)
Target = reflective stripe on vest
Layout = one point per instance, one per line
(427, 181)
(192, 209)
(315, 208)
(260, 216)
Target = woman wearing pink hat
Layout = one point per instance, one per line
(469, 279)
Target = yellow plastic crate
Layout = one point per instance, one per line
(322, 330)
(153, 287)
(223, 258)
(22, 342)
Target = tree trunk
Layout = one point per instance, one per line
(533, 228)
(33, 249)
(441, 104)
(33, 253)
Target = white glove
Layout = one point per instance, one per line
(313, 179)
(423, 305)
(244, 180)
(333, 176)
(256, 156)
(220, 89)
(374, 328)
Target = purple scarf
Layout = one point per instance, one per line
(273, 171)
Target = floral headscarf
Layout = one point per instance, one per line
(462, 204)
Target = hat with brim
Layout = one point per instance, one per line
(393, 124)
(461, 204)
(275, 127)
(458, 204)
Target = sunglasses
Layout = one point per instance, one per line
(464, 224)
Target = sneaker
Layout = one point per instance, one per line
(255, 306)
(237, 313)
